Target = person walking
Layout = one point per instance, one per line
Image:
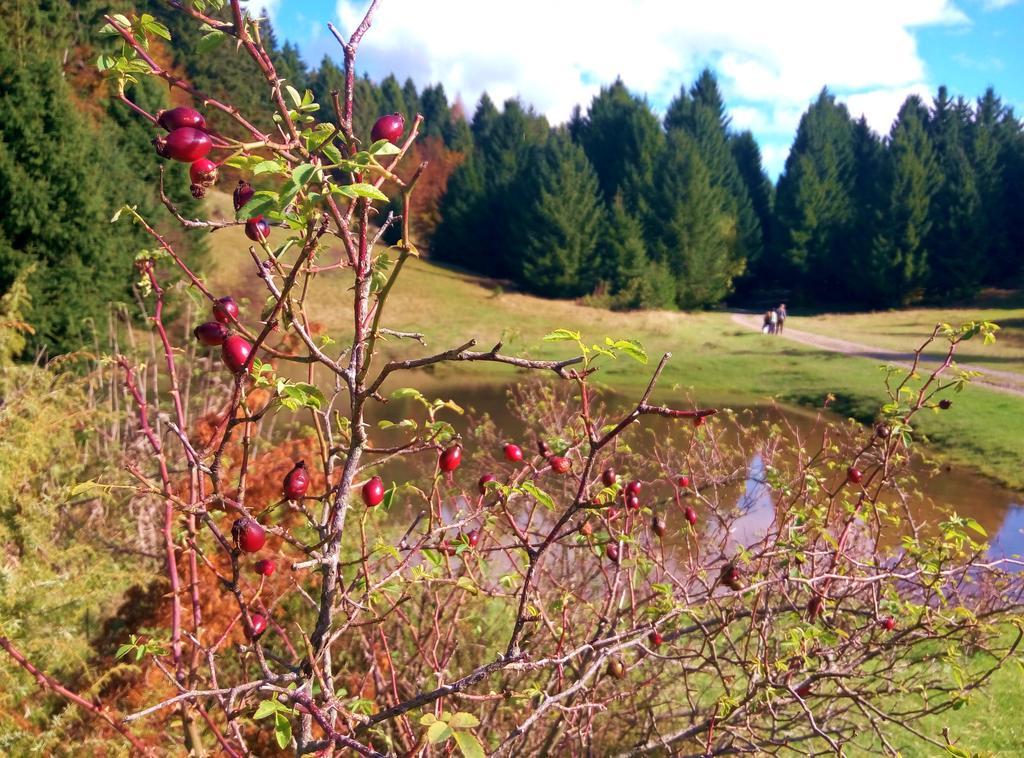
(766, 326)
(780, 313)
(773, 316)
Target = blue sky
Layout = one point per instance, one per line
(772, 57)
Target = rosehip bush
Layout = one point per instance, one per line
(478, 597)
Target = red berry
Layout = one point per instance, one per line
(612, 551)
(633, 502)
(658, 526)
(483, 482)
(388, 127)
(513, 453)
(211, 334)
(691, 515)
(608, 477)
(945, 404)
(586, 529)
(543, 448)
(559, 464)
(655, 638)
(731, 577)
(179, 118)
(248, 535)
(473, 538)
(257, 229)
(235, 351)
(186, 145)
(243, 193)
(888, 623)
(634, 487)
(203, 174)
(698, 421)
(613, 513)
(296, 482)
(265, 567)
(447, 548)
(450, 458)
(683, 481)
(854, 475)
(259, 624)
(804, 690)
(225, 310)
(373, 492)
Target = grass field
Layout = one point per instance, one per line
(896, 330)
(714, 360)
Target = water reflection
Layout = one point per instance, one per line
(938, 489)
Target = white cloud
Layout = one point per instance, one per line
(995, 5)
(556, 53)
(772, 58)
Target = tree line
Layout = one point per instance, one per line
(619, 205)
(680, 212)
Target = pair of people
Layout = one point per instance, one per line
(774, 320)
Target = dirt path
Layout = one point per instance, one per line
(1002, 381)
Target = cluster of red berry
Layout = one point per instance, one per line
(187, 141)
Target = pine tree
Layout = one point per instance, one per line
(701, 113)
(437, 116)
(747, 156)
(558, 221)
(954, 244)
(899, 258)
(987, 148)
(61, 178)
(814, 203)
(391, 98)
(622, 140)
(697, 234)
(868, 161)
(633, 280)
(461, 233)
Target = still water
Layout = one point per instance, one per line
(940, 489)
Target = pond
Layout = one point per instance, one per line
(939, 488)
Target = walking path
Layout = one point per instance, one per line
(1001, 381)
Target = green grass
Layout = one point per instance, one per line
(898, 330)
(714, 360)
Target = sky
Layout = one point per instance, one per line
(772, 57)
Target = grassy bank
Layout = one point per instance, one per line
(714, 360)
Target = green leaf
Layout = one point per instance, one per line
(210, 42)
(282, 730)
(155, 27)
(383, 147)
(389, 497)
(268, 167)
(267, 708)
(294, 94)
(562, 335)
(469, 745)
(262, 202)
(123, 651)
(539, 495)
(362, 189)
(463, 720)
(427, 719)
(632, 348)
(404, 392)
(438, 732)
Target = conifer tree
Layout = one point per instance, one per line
(954, 244)
(701, 113)
(987, 148)
(899, 257)
(622, 140)
(697, 235)
(814, 203)
(747, 156)
(558, 220)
